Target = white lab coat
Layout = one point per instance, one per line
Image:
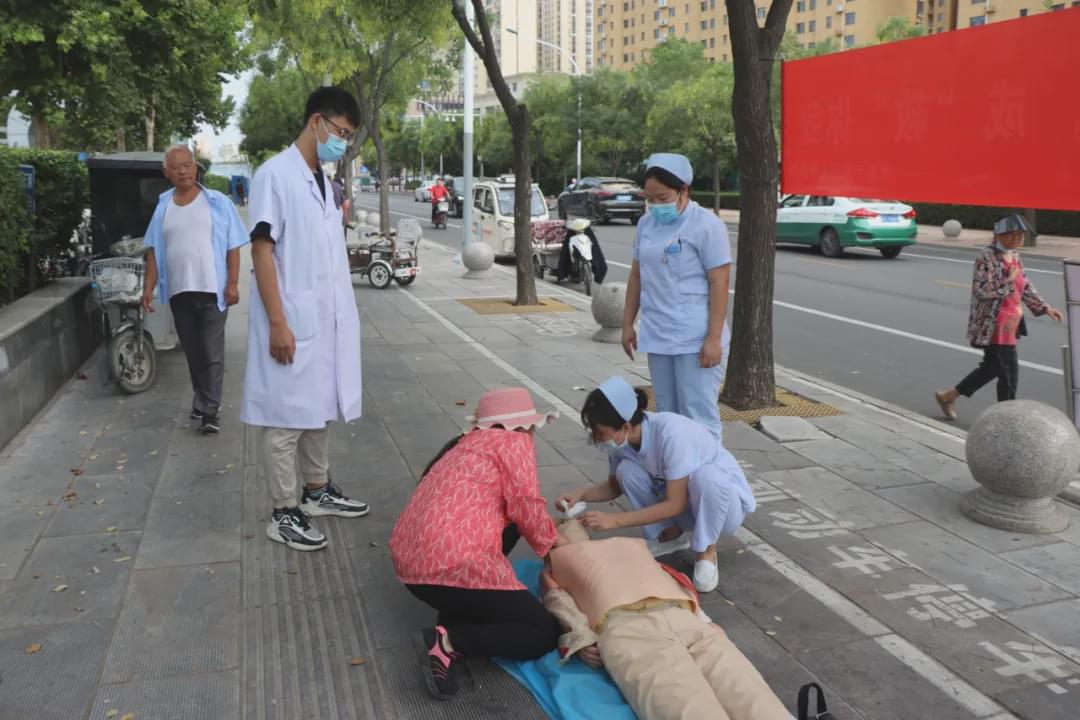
(323, 382)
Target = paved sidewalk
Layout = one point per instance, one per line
(858, 570)
(1051, 246)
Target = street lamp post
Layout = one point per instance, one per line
(577, 73)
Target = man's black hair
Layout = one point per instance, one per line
(665, 178)
(333, 102)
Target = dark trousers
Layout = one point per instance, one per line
(1001, 363)
(493, 623)
(201, 327)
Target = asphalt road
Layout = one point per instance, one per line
(892, 329)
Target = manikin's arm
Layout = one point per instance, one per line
(578, 637)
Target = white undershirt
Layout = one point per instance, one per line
(189, 249)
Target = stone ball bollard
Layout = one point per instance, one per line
(1023, 453)
(478, 257)
(362, 216)
(952, 228)
(608, 303)
(374, 219)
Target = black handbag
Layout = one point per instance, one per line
(804, 703)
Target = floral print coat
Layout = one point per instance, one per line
(989, 287)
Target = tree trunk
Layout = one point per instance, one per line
(521, 130)
(716, 184)
(384, 190)
(40, 133)
(121, 139)
(750, 381)
(149, 122)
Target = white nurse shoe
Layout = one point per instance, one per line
(706, 576)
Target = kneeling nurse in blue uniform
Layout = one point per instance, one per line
(685, 488)
(679, 281)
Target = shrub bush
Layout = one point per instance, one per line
(14, 228)
(62, 193)
(216, 182)
(412, 184)
(1048, 222)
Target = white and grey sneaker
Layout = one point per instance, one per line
(290, 527)
(660, 549)
(328, 500)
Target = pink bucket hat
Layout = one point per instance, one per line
(510, 407)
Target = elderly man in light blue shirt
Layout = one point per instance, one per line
(195, 236)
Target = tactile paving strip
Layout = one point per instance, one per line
(787, 403)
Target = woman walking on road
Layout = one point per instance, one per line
(679, 280)
(999, 290)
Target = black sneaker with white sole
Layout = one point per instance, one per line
(290, 527)
(328, 500)
(210, 425)
(196, 414)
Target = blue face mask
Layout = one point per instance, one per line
(333, 149)
(665, 213)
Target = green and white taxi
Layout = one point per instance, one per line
(835, 223)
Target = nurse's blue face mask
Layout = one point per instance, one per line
(335, 146)
(664, 213)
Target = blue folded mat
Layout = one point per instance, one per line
(573, 691)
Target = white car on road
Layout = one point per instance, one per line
(423, 191)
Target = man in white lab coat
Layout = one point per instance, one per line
(303, 360)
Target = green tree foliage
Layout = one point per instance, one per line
(120, 74)
(273, 113)
(15, 224)
(693, 117)
(898, 28)
(378, 49)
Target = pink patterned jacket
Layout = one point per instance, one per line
(450, 532)
(989, 286)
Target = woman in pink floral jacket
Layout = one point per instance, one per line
(999, 290)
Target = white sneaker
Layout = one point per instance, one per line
(659, 549)
(706, 576)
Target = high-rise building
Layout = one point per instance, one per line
(626, 31)
(534, 37)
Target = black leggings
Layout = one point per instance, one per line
(999, 362)
(511, 624)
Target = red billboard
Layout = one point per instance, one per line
(981, 116)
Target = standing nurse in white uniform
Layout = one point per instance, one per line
(679, 280)
(303, 359)
(685, 488)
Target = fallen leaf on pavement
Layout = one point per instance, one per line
(98, 502)
(111, 528)
(770, 633)
(459, 402)
(33, 648)
(60, 588)
(82, 432)
(77, 471)
(210, 571)
(778, 619)
(69, 495)
(112, 713)
(122, 559)
(95, 570)
(357, 661)
(129, 716)
(153, 452)
(40, 513)
(730, 603)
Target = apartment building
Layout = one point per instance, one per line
(626, 31)
(534, 37)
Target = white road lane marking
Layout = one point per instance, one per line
(969, 262)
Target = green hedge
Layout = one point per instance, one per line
(728, 200)
(216, 182)
(1048, 222)
(14, 228)
(412, 184)
(62, 193)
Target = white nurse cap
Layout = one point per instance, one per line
(621, 395)
(676, 164)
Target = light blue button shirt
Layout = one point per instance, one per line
(674, 447)
(674, 261)
(228, 233)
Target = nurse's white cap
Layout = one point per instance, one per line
(676, 164)
(621, 395)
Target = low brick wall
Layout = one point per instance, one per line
(44, 338)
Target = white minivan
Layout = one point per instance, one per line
(493, 214)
